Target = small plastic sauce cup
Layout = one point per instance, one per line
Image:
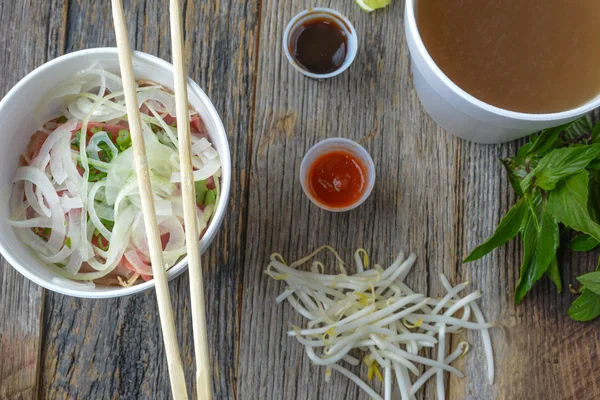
(331, 146)
(318, 13)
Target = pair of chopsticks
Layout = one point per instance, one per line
(176, 374)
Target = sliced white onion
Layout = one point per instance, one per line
(59, 225)
(62, 132)
(205, 171)
(164, 98)
(91, 208)
(57, 168)
(36, 203)
(94, 148)
(38, 178)
(119, 240)
(36, 222)
(137, 263)
(68, 203)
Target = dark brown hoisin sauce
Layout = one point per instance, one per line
(319, 45)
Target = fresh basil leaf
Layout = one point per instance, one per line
(509, 227)
(568, 204)
(539, 249)
(546, 140)
(526, 148)
(594, 196)
(515, 174)
(554, 274)
(591, 281)
(586, 307)
(596, 133)
(559, 164)
(584, 243)
(578, 129)
(533, 200)
(595, 164)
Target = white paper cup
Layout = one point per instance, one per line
(17, 125)
(332, 145)
(320, 12)
(462, 114)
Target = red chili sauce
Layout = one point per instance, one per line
(337, 179)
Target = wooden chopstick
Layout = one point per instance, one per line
(163, 297)
(203, 372)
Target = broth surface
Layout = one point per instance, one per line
(533, 56)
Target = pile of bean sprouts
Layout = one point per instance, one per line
(375, 311)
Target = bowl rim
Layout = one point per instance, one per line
(411, 23)
(217, 218)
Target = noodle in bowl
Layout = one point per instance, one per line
(18, 122)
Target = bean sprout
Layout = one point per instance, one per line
(374, 311)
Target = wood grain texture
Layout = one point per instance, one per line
(540, 352)
(435, 195)
(412, 207)
(113, 348)
(42, 27)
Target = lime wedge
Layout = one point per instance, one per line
(372, 5)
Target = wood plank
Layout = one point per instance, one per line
(42, 26)
(113, 348)
(540, 351)
(436, 196)
(412, 207)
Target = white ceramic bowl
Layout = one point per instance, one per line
(462, 114)
(17, 125)
(319, 12)
(328, 146)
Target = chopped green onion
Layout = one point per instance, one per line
(211, 197)
(108, 224)
(105, 154)
(76, 141)
(124, 140)
(68, 242)
(200, 191)
(61, 120)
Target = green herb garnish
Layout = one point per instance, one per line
(68, 242)
(76, 141)
(557, 177)
(61, 120)
(104, 154)
(201, 190)
(101, 239)
(587, 306)
(96, 175)
(108, 224)
(123, 140)
(211, 197)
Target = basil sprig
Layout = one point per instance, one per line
(557, 178)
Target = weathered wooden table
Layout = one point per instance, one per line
(435, 195)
